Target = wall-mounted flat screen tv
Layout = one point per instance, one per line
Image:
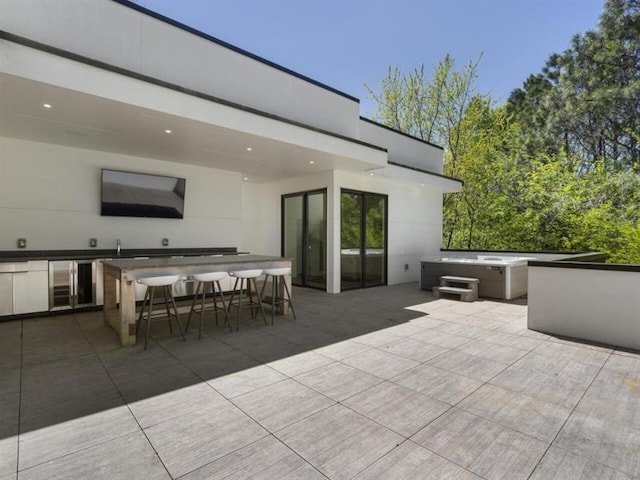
(130, 194)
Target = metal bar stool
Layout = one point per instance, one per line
(247, 277)
(203, 279)
(277, 276)
(165, 282)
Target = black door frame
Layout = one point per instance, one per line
(305, 232)
(363, 237)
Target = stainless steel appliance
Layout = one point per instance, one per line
(72, 284)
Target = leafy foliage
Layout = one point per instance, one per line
(558, 166)
(427, 109)
(352, 207)
(587, 99)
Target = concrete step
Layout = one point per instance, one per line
(466, 294)
(450, 278)
(456, 290)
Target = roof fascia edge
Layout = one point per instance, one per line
(427, 172)
(222, 43)
(10, 37)
(386, 127)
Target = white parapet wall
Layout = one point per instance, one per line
(594, 302)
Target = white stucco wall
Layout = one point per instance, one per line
(261, 216)
(148, 46)
(601, 306)
(415, 222)
(414, 228)
(50, 195)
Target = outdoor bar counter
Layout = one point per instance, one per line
(123, 319)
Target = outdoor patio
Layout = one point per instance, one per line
(383, 383)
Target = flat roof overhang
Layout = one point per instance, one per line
(99, 109)
(417, 177)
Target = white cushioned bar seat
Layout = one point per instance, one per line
(164, 282)
(248, 278)
(246, 273)
(203, 279)
(210, 276)
(278, 272)
(277, 275)
(158, 281)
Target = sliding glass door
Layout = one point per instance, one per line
(363, 248)
(304, 237)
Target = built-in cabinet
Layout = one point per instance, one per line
(24, 287)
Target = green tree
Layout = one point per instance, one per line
(350, 209)
(434, 110)
(557, 167)
(587, 99)
(429, 109)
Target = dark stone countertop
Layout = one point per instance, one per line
(8, 256)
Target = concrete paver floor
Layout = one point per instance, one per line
(383, 383)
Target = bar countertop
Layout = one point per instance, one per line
(120, 311)
(192, 264)
(159, 262)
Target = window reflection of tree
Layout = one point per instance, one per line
(350, 231)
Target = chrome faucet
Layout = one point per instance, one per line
(118, 247)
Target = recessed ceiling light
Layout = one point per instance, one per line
(311, 162)
(371, 174)
(422, 184)
(249, 149)
(46, 105)
(167, 131)
(246, 178)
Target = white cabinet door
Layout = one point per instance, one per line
(30, 292)
(21, 293)
(39, 286)
(6, 293)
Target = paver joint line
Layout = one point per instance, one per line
(285, 385)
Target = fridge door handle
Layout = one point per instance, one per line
(73, 266)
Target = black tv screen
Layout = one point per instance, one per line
(130, 194)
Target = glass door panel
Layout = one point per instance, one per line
(292, 241)
(316, 238)
(85, 283)
(60, 285)
(375, 241)
(304, 237)
(350, 240)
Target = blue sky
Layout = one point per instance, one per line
(346, 43)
